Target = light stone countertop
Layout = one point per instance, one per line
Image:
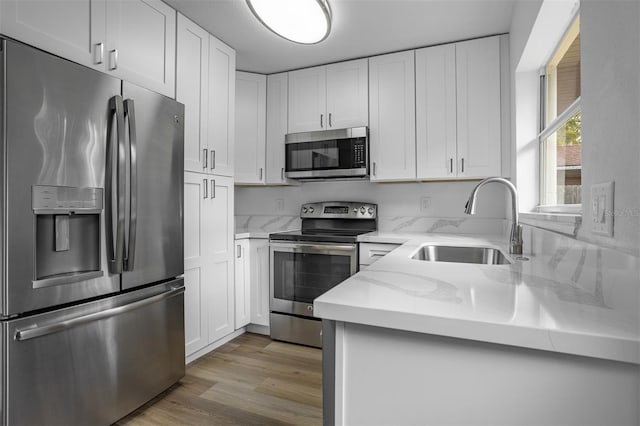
(258, 226)
(579, 300)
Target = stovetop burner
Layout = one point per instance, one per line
(328, 236)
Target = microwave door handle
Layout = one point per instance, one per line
(114, 172)
(129, 111)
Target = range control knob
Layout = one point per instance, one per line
(310, 209)
(363, 209)
(305, 210)
(370, 210)
(355, 210)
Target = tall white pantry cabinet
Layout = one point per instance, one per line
(205, 84)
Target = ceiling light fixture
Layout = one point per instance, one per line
(300, 21)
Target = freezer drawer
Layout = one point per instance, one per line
(96, 362)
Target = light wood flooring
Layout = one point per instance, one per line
(251, 380)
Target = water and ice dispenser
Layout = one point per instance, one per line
(67, 234)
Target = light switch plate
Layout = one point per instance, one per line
(425, 203)
(602, 209)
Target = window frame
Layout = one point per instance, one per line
(547, 129)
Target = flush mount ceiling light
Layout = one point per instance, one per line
(301, 21)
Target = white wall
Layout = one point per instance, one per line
(446, 199)
(610, 36)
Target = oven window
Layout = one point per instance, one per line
(313, 155)
(301, 277)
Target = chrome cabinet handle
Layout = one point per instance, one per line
(282, 173)
(213, 159)
(32, 333)
(462, 167)
(451, 165)
(98, 53)
(205, 157)
(330, 120)
(115, 170)
(213, 189)
(113, 59)
(321, 120)
(130, 248)
(239, 251)
(205, 190)
(260, 174)
(374, 169)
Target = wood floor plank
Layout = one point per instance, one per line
(251, 380)
(307, 395)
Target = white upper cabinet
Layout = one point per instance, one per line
(478, 101)
(277, 88)
(347, 94)
(205, 84)
(221, 107)
(436, 126)
(192, 68)
(392, 130)
(307, 100)
(458, 110)
(133, 40)
(74, 30)
(141, 43)
(251, 94)
(328, 97)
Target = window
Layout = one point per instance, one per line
(560, 131)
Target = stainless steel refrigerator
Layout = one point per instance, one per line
(92, 302)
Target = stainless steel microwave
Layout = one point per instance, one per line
(340, 153)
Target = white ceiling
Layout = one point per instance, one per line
(360, 28)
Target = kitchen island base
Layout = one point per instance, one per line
(378, 376)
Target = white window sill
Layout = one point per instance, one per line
(563, 223)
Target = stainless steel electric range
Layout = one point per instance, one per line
(309, 262)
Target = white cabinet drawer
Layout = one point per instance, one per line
(371, 252)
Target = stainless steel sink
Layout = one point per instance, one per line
(480, 255)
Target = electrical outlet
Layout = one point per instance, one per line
(602, 209)
(425, 203)
(279, 204)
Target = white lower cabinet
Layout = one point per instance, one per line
(209, 260)
(252, 283)
(259, 252)
(243, 283)
(370, 253)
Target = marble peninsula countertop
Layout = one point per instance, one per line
(583, 303)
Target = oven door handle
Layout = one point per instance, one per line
(314, 247)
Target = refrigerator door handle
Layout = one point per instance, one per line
(129, 112)
(115, 171)
(32, 333)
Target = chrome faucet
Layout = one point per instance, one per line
(515, 238)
